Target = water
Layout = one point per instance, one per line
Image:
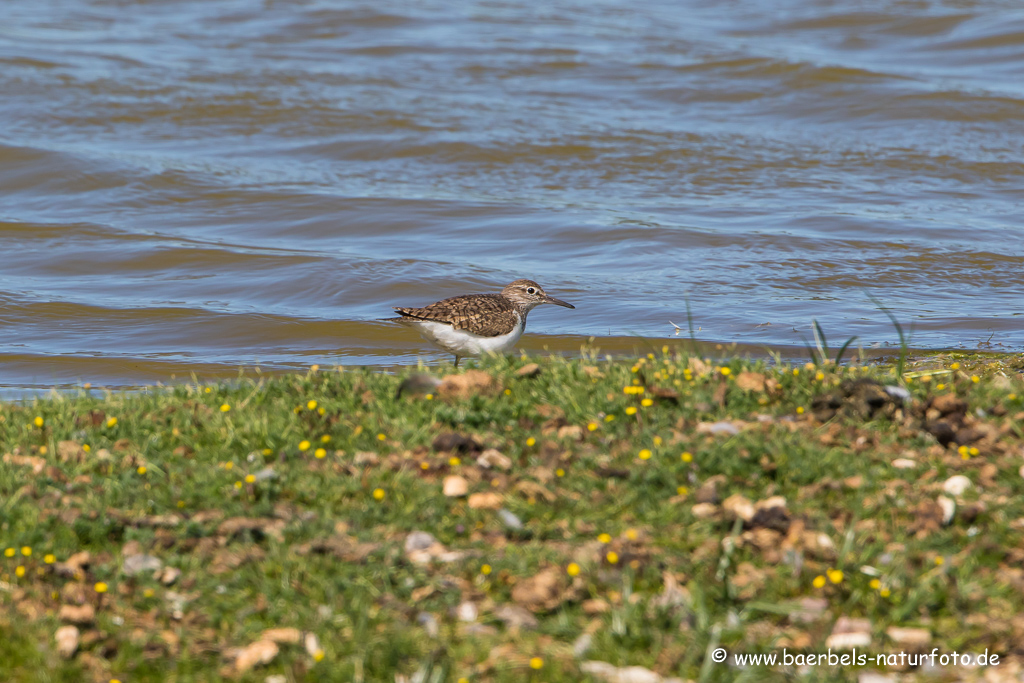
(193, 186)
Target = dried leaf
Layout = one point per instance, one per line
(283, 636)
(751, 381)
(455, 486)
(260, 652)
(528, 370)
(849, 633)
(78, 614)
(515, 617)
(493, 458)
(259, 526)
(532, 489)
(35, 462)
(67, 641)
(609, 673)
(467, 384)
(540, 592)
(486, 501)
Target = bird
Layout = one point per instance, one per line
(474, 324)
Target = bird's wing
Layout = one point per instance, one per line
(488, 315)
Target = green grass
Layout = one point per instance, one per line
(159, 472)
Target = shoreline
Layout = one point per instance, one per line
(524, 517)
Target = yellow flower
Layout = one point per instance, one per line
(964, 452)
(100, 587)
(592, 426)
(86, 447)
(819, 581)
(940, 386)
(973, 451)
(9, 552)
(647, 403)
(429, 397)
(19, 571)
(605, 538)
(645, 454)
(318, 656)
(940, 560)
(148, 593)
(311, 405)
(687, 456)
(835, 575)
(326, 438)
(796, 371)
(141, 469)
(725, 371)
(238, 484)
(267, 451)
(303, 445)
(559, 472)
(612, 557)
(609, 418)
(954, 366)
(424, 465)
(250, 478)
(43, 450)
(224, 407)
(378, 494)
(531, 441)
(26, 551)
(884, 592)
(454, 462)
(112, 422)
(820, 376)
(381, 437)
(875, 584)
(508, 392)
(573, 569)
(658, 441)
(631, 410)
(320, 453)
(975, 379)
(664, 349)
(631, 534)
(208, 390)
(485, 569)
(38, 421)
(536, 663)
(799, 410)
(682, 490)
(229, 465)
(49, 559)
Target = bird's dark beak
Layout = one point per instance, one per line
(557, 302)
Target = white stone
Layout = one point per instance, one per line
(956, 485)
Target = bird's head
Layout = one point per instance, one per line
(528, 294)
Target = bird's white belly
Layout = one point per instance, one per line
(464, 343)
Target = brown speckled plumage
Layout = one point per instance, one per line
(488, 315)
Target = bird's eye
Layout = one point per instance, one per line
(531, 290)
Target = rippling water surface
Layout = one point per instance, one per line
(193, 186)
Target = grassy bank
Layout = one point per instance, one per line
(571, 513)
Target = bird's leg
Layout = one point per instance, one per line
(456, 361)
